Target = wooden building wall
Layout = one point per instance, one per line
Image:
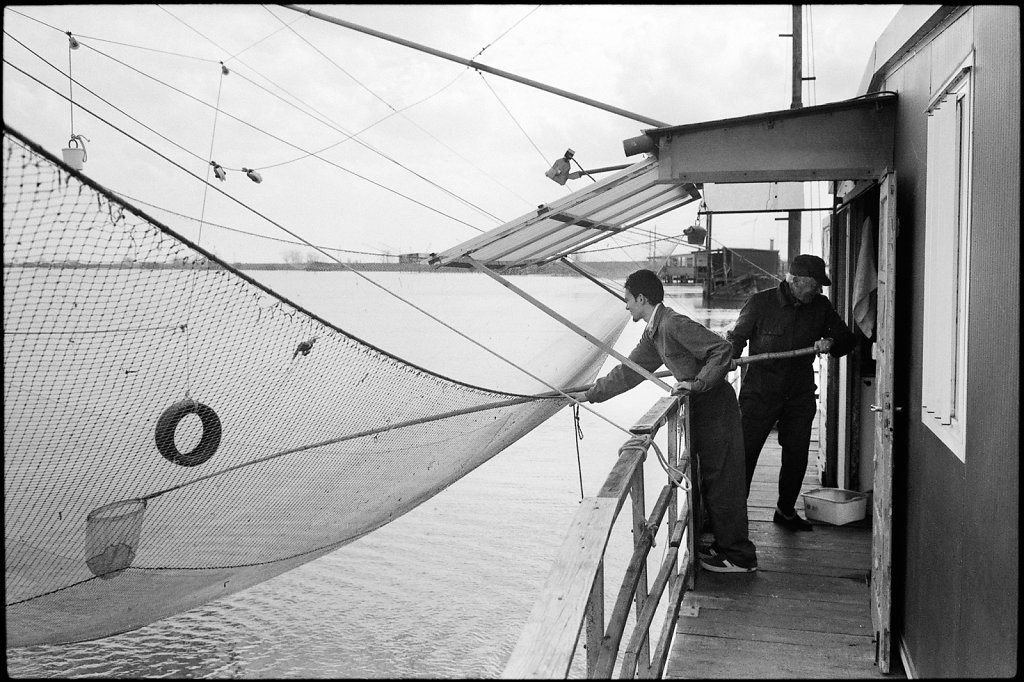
(956, 528)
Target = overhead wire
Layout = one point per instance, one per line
(349, 136)
(559, 391)
(506, 31)
(249, 80)
(271, 135)
(514, 119)
(396, 111)
(229, 167)
(190, 299)
(470, 162)
(136, 200)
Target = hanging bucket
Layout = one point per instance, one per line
(112, 537)
(74, 153)
(695, 234)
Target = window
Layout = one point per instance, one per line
(947, 259)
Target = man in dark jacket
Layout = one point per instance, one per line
(792, 316)
(700, 360)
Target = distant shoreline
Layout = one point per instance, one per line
(606, 269)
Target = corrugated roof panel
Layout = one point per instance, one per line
(582, 218)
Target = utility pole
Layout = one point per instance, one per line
(709, 283)
(793, 243)
(798, 57)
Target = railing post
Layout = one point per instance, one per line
(639, 531)
(674, 425)
(692, 500)
(595, 621)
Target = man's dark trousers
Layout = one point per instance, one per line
(795, 416)
(718, 443)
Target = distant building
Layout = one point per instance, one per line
(413, 257)
(728, 265)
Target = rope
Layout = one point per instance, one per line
(199, 239)
(71, 87)
(680, 479)
(351, 436)
(579, 437)
(514, 120)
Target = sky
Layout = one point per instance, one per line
(369, 149)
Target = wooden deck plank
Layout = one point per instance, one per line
(781, 615)
(725, 657)
(804, 614)
(756, 633)
(827, 589)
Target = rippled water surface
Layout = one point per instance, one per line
(443, 591)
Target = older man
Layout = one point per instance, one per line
(792, 316)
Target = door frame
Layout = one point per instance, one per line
(881, 528)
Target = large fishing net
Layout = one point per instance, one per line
(175, 432)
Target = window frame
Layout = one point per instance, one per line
(948, 219)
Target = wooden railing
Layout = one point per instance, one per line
(572, 599)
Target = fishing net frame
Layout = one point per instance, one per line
(123, 339)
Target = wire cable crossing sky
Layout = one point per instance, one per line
(436, 157)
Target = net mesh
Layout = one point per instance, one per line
(149, 393)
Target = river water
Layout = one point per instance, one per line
(442, 591)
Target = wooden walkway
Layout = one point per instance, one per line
(803, 614)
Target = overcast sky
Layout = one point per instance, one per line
(442, 150)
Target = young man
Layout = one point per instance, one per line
(700, 360)
(792, 316)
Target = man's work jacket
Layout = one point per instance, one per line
(687, 348)
(773, 321)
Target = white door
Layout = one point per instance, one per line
(881, 541)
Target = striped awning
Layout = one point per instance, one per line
(581, 219)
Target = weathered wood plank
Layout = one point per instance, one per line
(767, 583)
(715, 625)
(631, 455)
(756, 633)
(787, 600)
(700, 657)
(546, 646)
(826, 538)
(656, 416)
(807, 562)
(783, 614)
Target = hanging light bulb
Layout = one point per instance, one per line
(218, 171)
(224, 69)
(253, 175)
(71, 40)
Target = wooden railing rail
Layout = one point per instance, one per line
(573, 599)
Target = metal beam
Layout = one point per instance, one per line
(478, 66)
(568, 323)
(592, 278)
(772, 210)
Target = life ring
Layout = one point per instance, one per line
(168, 422)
